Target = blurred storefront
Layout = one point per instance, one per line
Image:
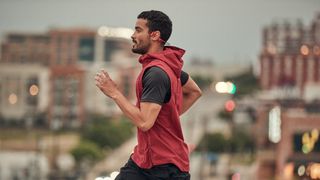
(287, 139)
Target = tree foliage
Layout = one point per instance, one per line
(99, 134)
(246, 83)
(202, 81)
(241, 142)
(218, 143)
(214, 142)
(107, 133)
(87, 150)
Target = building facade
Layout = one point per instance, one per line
(287, 139)
(53, 74)
(24, 48)
(68, 48)
(290, 55)
(23, 92)
(24, 75)
(288, 118)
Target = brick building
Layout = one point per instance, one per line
(290, 55)
(24, 74)
(61, 65)
(68, 48)
(24, 48)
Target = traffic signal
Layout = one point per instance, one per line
(230, 105)
(226, 87)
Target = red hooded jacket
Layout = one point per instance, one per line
(164, 142)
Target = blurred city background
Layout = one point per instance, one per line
(257, 63)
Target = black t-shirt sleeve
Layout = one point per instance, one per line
(184, 78)
(156, 84)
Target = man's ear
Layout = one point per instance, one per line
(155, 35)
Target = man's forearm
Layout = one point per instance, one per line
(143, 118)
(129, 110)
(189, 100)
(191, 92)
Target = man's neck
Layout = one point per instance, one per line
(156, 49)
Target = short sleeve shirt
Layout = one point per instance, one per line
(156, 85)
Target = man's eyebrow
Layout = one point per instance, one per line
(137, 28)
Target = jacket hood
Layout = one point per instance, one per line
(171, 55)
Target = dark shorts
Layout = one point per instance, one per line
(131, 171)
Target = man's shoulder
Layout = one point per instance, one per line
(155, 76)
(155, 70)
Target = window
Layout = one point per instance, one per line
(32, 91)
(41, 38)
(13, 90)
(306, 142)
(72, 92)
(310, 69)
(17, 38)
(86, 49)
(70, 50)
(110, 47)
(58, 50)
(1, 90)
(58, 86)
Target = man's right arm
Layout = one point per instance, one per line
(191, 92)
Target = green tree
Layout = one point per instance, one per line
(223, 114)
(87, 150)
(246, 83)
(101, 133)
(217, 143)
(241, 142)
(213, 142)
(108, 133)
(202, 81)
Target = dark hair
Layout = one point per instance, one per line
(157, 21)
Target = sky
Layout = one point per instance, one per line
(225, 31)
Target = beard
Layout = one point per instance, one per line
(143, 49)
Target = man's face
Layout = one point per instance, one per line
(141, 37)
